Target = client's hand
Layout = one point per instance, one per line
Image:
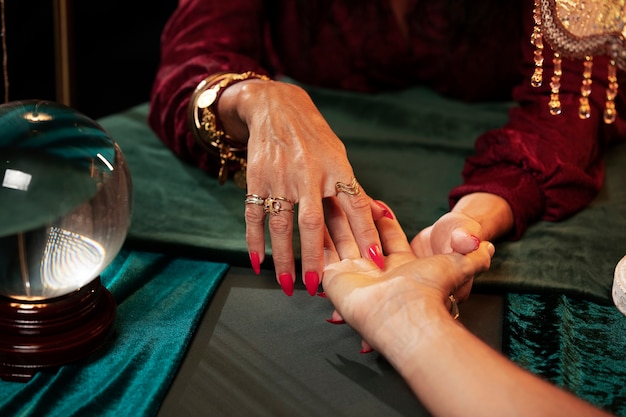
(403, 312)
(370, 299)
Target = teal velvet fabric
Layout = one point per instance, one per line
(407, 148)
(160, 300)
(576, 344)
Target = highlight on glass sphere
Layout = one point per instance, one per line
(65, 200)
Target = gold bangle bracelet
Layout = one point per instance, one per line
(206, 127)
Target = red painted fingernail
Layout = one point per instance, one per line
(366, 350)
(312, 282)
(476, 240)
(386, 211)
(333, 321)
(321, 294)
(376, 256)
(256, 263)
(286, 283)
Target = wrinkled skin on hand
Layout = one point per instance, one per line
(294, 154)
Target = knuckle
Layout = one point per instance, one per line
(280, 225)
(310, 219)
(359, 203)
(254, 217)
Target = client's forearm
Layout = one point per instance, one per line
(456, 374)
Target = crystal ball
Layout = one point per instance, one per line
(65, 200)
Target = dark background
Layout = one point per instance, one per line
(116, 51)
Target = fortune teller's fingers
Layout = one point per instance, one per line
(255, 230)
(280, 212)
(292, 153)
(392, 236)
(339, 230)
(330, 251)
(357, 206)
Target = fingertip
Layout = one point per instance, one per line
(385, 211)
(376, 255)
(463, 242)
(286, 283)
(312, 282)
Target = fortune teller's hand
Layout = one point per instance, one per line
(294, 158)
(369, 299)
(452, 232)
(476, 217)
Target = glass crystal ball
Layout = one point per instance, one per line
(65, 200)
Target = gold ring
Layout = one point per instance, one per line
(274, 205)
(254, 199)
(454, 308)
(351, 189)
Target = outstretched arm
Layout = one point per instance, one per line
(403, 312)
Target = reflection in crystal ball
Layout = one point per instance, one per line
(65, 200)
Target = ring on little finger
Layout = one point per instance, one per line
(274, 205)
(351, 189)
(454, 308)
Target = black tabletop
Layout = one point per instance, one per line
(257, 352)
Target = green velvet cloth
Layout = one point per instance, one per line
(407, 148)
(576, 344)
(160, 300)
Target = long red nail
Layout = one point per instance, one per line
(333, 321)
(286, 283)
(376, 256)
(312, 282)
(386, 211)
(256, 263)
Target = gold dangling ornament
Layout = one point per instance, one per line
(609, 110)
(584, 110)
(580, 29)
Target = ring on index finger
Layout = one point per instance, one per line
(274, 205)
(353, 188)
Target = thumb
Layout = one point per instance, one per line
(463, 241)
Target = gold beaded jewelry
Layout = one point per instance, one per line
(206, 127)
(580, 29)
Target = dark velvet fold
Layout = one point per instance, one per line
(576, 344)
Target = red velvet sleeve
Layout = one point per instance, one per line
(202, 37)
(547, 167)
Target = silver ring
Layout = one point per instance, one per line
(351, 189)
(454, 308)
(274, 205)
(254, 199)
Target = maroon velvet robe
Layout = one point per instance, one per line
(546, 167)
